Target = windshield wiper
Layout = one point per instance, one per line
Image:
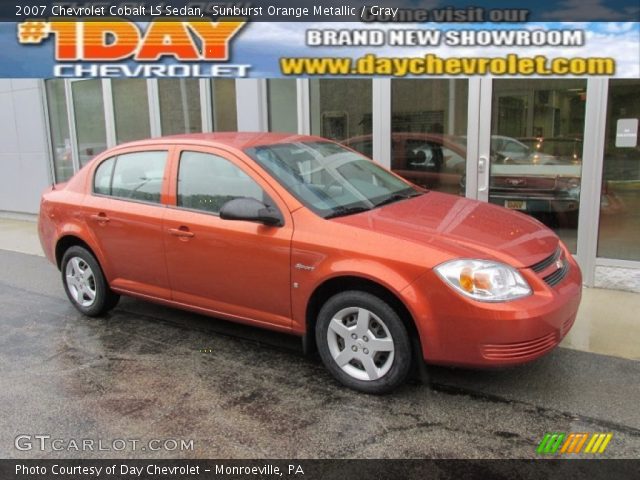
(396, 197)
(343, 211)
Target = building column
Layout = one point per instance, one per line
(251, 104)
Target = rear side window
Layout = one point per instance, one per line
(102, 179)
(206, 182)
(135, 176)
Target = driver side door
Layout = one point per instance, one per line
(237, 269)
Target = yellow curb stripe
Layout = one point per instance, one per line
(605, 443)
(598, 442)
(591, 442)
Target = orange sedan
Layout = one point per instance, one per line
(305, 236)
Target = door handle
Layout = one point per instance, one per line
(483, 174)
(99, 217)
(182, 232)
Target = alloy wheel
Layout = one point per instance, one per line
(81, 281)
(360, 343)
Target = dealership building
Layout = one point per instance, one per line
(563, 150)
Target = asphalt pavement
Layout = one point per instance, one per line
(146, 372)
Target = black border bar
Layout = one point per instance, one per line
(338, 10)
(427, 469)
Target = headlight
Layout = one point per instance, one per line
(569, 183)
(484, 280)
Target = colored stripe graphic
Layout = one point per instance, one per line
(550, 443)
(573, 443)
(598, 443)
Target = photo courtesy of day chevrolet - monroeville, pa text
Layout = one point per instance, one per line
(319, 240)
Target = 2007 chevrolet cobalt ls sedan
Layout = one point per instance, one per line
(302, 235)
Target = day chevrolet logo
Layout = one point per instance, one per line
(573, 443)
(33, 32)
(121, 40)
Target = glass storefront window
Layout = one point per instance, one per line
(536, 150)
(283, 105)
(428, 132)
(619, 227)
(225, 115)
(59, 126)
(88, 109)
(341, 111)
(130, 109)
(179, 106)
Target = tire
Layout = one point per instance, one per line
(84, 283)
(363, 342)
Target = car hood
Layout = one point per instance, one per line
(460, 227)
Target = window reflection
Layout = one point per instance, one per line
(429, 125)
(130, 109)
(283, 107)
(536, 150)
(180, 106)
(59, 125)
(619, 227)
(341, 111)
(88, 109)
(225, 116)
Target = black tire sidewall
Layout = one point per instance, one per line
(105, 299)
(402, 345)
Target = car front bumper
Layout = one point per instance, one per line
(455, 330)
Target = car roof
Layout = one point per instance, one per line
(237, 140)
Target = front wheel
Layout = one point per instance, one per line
(363, 342)
(85, 284)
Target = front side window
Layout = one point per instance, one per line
(330, 179)
(206, 182)
(134, 176)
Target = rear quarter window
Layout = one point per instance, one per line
(134, 176)
(102, 178)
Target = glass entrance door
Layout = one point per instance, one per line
(535, 151)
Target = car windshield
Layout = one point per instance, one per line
(330, 179)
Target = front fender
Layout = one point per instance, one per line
(306, 281)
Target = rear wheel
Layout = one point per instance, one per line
(363, 342)
(85, 284)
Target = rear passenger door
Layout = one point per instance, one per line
(236, 268)
(125, 214)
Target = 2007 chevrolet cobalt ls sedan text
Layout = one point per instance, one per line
(302, 235)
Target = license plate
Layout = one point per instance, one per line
(516, 204)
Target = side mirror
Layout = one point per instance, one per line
(251, 210)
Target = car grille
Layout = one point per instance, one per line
(540, 266)
(520, 350)
(556, 276)
(524, 183)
